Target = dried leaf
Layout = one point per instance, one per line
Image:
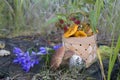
(57, 58)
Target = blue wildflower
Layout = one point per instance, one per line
(25, 59)
(43, 50)
(29, 61)
(17, 51)
(57, 46)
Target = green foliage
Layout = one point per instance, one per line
(105, 51)
(113, 57)
(89, 1)
(109, 19)
(79, 7)
(18, 16)
(11, 15)
(95, 14)
(5, 18)
(109, 25)
(118, 77)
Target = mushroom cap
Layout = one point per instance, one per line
(57, 58)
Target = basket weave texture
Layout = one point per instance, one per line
(85, 47)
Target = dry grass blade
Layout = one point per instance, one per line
(101, 65)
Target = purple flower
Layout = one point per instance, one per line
(43, 50)
(17, 51)
(28, 62)
(25, 59)
(57, 46)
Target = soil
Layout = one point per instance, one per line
(11, 71)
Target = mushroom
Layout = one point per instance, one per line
(57, 58)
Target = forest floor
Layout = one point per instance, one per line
(11, 71)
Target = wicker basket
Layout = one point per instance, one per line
(85, 47)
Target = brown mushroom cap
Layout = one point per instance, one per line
(57, 58)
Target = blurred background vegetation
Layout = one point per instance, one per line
(25, 17)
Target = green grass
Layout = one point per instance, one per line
(113, 57)
(95, 14)
(19, 17)
(109, 24)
